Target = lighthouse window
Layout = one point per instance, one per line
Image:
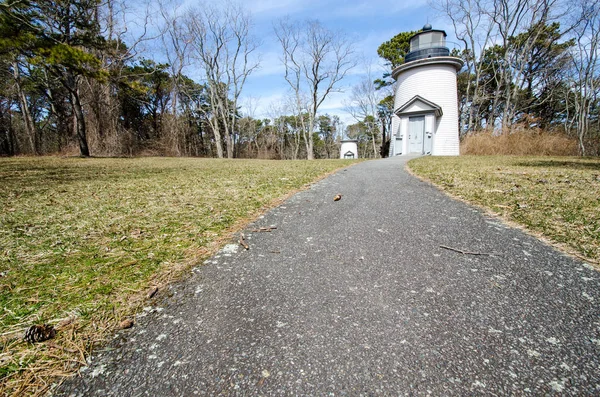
(414, 43)
(425, 40)
(437, 39)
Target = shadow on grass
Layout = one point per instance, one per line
(583, 164)
(26, 174)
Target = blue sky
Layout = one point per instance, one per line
(369, 23)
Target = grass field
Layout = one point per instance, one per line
(556, 197)
(82, 240)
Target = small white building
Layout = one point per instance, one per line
(349, 149)
(425, 117)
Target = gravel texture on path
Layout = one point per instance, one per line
(358, 297)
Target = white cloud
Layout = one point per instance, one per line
(369, 23)
(375, 7)
(334, 106)
(270, 65)
(276, 8)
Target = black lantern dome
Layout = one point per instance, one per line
(426, 44)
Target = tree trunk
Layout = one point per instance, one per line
(79, 117)
(232, 147)
(384, 148)
(310, 155)
(229, 142)
(373, 141)
(10, 147)
(219, 145)
(29, 126)
(218, 139)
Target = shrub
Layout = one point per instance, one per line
(519, 143)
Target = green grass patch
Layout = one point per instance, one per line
(558, 197)
(80, 237)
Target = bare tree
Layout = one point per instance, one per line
(249, 129)
(288, 128)
(585, 67)
(474, 30)
(116, 20)
(499, 38)
(316, 60)
(363, 106)
(512, 17)
(224, 48)
(177, 45)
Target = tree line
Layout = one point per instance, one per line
(529, 64)
(76, 74)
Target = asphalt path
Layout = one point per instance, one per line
(360, 297)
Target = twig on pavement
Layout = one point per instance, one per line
(465, 252)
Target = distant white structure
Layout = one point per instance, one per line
(425, 117)
(349, 149)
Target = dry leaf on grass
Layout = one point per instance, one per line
(127, 323)
(152, 292)
(136, 233)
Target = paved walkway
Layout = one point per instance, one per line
(357, 297)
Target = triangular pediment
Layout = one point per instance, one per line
(419, 105)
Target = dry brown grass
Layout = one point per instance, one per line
(519, 143)
(555, 197)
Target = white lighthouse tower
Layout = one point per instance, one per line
(425, 117)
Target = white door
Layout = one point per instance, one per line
(416, 130)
